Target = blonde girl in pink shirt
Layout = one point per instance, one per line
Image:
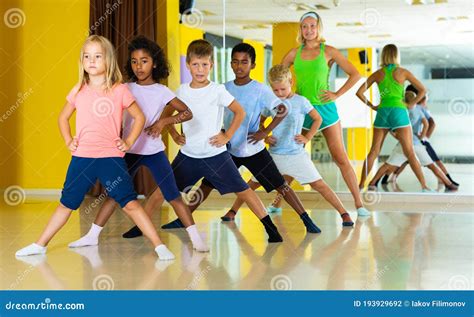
(97, 149)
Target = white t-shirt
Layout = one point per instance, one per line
(207, 105)
(152, 99)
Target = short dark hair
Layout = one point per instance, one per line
(162, 69)
(412, 89)
(199, 48)
(245, 48)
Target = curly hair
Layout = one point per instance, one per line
(162, 69)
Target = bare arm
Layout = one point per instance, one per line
(424, 130)
(348, 68)
(138, 122)
(263, 132)
(418, 85)
(289, 58)
(65, 128)
(431, 127)
(223, 137)
(317, 120)
(363, 88)
(184, 114)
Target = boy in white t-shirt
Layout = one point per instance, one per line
(204, 153)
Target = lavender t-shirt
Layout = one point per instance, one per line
(152, 99)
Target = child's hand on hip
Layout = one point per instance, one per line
(219, 140)
(271, 140)
(73, 144)
(122, 145)
(301, 139)
(254, 138)
(154, 130)
(179, 139)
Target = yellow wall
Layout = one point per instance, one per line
(258, 73)
(42, 59)
(10, 86)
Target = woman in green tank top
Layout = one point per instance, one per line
(392, 113)
(312, 61)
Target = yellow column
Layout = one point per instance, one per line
(359, 140)
(168, 35)
(258, 73)
(284, 39)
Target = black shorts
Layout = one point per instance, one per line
(262, 167)
(431, 151)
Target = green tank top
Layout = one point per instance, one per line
(312, 76)
(391, 91)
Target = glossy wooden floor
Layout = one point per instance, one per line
(391, 250)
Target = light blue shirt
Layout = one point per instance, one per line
(284, 133)
(253, 97)
(416, 117)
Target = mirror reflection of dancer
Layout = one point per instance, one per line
(397, 158)
(312, 61)
(392, 114)
(431, 152)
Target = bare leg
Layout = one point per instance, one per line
(378, 138)
(401, 169)
(330, 196)
(384, 169)
(406, 141)
(442, 167)
(230, 215)
(257, 207)
(135, 211)
(193, 203)
(440, 175)
(278, 199)
(55, 223)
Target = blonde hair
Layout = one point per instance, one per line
(390, 55)
(199, 48)
(319, 26)
(113, 75)
(279, 73)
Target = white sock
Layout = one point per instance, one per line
(163, 253)
(196, 239)
(32, 249)
(91, 238)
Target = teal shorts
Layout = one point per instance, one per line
(392, 118)
(329, 114)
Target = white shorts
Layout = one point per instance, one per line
(298, 166)
(397, 158)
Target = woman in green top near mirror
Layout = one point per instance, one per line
(312, 61)
(392, 114)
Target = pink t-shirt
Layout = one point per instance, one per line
(152, 99)
(99, 119)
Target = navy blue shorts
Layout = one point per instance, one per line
(431, 151)
(159, 167)
(220, 170)
(83, 172)
(262, 167)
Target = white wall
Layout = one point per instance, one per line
(451, 103)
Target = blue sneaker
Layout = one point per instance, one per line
(273, 209)
(362, 212)
(428, 190)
